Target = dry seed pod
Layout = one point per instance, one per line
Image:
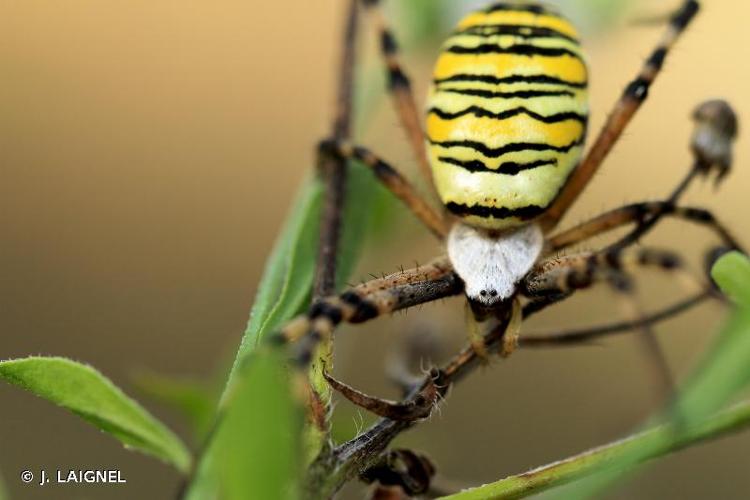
(716, 128)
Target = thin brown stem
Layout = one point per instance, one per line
(361, 452)
(332, 168)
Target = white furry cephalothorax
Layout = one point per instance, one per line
(490, 266)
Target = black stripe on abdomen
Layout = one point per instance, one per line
(541, 79)
(525, 213)
(514, 147)
(519, 94)
(518, 49)
(480, 112)
(518, 30)
(507, 168)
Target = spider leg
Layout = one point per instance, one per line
(359, 304)
(647, 340)
(409, 410)
(372, 299)
(512, 331)
(399, 87)
(474, 333)
(630, 101)
(560, 277)
(636, 213)
(584, 336)
(392, 180)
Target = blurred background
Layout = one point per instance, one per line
(149, 151)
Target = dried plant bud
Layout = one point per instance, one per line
(716, 129)
(381, 492)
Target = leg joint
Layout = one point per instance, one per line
(657, 58)
(638, 89)
(388, 43)
(327, 310)
(397, 79)
(363, 309)
(686, 14)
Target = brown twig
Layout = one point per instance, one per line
(333, 170)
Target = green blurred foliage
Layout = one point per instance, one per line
(194, 400)
(423, 23)
(259, 444)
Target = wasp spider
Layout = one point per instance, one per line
(503, 147)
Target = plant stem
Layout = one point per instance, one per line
(658, 441)
(333, 170)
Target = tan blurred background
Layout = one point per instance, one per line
(149, 151)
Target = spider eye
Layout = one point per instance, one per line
(493, 293)
(483, 293)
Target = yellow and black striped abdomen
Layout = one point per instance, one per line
(507, 114)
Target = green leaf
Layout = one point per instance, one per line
(723, 375)
(87, 393)
(259, 443)
(284, 290)
(732, 273)
(285, 287)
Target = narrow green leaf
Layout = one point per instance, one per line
(287, 280)
(732, 273)
(725, 373)
(726, 370)
(87, 393)
(259, 443)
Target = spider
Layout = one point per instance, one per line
(503, 149)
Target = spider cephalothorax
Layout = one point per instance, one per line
(492, 265)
